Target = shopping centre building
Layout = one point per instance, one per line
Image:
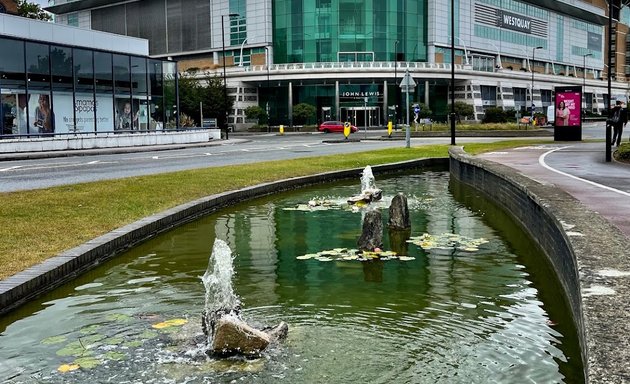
(347, 57)
(57, 80)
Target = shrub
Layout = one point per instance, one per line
(495, 115)
(623, 153)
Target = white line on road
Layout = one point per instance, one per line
(10, 168)
(541, 161)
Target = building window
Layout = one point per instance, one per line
(73, 19)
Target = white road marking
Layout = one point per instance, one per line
(541, 161)
(10, 168)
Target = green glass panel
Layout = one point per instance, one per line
(349, 30)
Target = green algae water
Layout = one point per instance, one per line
(438, 314)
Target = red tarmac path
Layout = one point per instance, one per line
(579, 169)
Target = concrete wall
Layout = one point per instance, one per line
(587, 252)
(38, 30)
(86, 141)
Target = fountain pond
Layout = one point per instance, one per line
(469, 300)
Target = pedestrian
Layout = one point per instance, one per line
(618, 118)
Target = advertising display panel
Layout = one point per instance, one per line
(568, 113)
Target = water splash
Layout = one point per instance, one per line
(217, 280)
(367, 180)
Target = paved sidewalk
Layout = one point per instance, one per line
(579, 169)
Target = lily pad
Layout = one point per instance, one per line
(75, 348)
(148, 334)
(54, 340)
(119, 317)
(447, 241)
(133, 344)
(114, 340)
(349, 254)
(91, 339)
(87, 362)
(89, 329)
(113, 355)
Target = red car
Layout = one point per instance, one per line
(334, 126)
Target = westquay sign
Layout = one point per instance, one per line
(515, 22)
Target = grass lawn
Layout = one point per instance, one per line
(39, 224)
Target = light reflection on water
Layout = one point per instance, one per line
(444, 317)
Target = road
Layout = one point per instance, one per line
(48, 172)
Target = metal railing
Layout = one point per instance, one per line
(352, 65)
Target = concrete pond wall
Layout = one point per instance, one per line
(586, 251)
(589, 255)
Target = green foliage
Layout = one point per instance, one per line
(623, 153)
(303, 112)
(462, 109)
(256, 113)
(32, 11)
(208, 92)
(498, 115)
(425, 111)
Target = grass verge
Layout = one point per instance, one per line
(39, 224)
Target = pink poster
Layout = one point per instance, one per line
(568, 109)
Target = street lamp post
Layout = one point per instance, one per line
(584, 82)
(365, 100)
(532, 69)
(225, 95)
(466, 62)
(498, 65)
(452, 72)
(395, 86)
(267, 61)
(609, 75)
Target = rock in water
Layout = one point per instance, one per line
(399, 213)
(366, 197)
(233, 336)
(372, 233)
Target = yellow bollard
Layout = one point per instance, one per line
(389, 129)
(346, 129)
(281, 129)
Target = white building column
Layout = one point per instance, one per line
(290, 102)
(337, 111)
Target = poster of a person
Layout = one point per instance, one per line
(562, 114)
(126, 121)
(19, 123)
(43, 119)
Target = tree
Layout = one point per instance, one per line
(256, 113)
(425, 111)
(207, 92)
(462, 109)
(303, 112)
(32, 11)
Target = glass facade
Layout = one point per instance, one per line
(349, 30)
(175, 25)
(49, 89)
